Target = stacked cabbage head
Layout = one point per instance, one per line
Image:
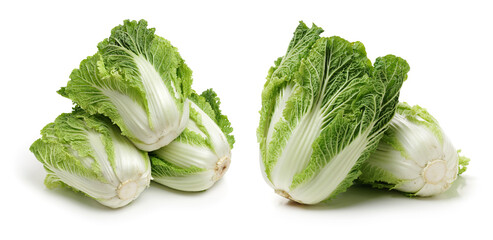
(139, 82)
(88, 153)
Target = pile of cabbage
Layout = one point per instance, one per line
(136, 118)
(330, 117)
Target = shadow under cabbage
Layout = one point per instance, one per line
(360, 194)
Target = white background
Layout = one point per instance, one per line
(230, 47)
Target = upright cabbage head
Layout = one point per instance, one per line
(202, 153)
(88, 154)
(324, 109)
(139, 81)
(414, 155)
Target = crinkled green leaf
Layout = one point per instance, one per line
(221, 120)
(281, 75)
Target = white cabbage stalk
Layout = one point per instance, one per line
(414, 156)
(88, 154)
(139, 81)
(201, 155)
(324, 109)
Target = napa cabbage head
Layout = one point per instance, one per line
(139, 81)
(324, 109)
(414, 156)
(88, 154)
(201, 155)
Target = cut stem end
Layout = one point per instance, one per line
(283, 194)
(435, 171)
(127, 190)
(221, 167)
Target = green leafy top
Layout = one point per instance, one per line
(209, 102)
(134, 39)
(282, 74)
(86, 83)
(392, 72)
(299, 46)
